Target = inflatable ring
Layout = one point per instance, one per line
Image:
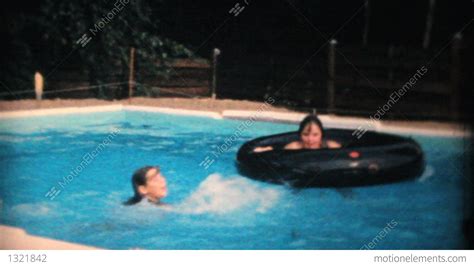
(375, 158)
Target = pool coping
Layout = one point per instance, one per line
(333, 121)
(58, 111)
(17, 238)
(14, 238)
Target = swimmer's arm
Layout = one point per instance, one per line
(262, 149)
(333, 144)
(295, 145)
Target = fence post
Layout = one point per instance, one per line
(131, 74)
(331, 75)
(365, 37)
(215, 53)
(390, 52)
(455, 74)
(39, 86)
(429, 24)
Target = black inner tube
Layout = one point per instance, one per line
(374, 158)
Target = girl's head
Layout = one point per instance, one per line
(148, 182)
(311, 132)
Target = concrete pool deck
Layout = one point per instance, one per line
(14, 238)
(17, 238)
(219, 109)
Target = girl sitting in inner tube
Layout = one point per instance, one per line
(311, 137)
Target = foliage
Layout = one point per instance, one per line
(114, 27)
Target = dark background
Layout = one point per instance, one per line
(271, 48)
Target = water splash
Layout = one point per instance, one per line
(223, 195)
(429, 172)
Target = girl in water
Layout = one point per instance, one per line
(311, 137)
(149, 183)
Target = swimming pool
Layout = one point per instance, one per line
(65, 177)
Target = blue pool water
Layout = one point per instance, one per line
(213, 207)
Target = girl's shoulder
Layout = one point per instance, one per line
(294, 145)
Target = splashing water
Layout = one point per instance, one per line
(223, 195)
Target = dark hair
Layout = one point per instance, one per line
(311, 119)
(138, 179)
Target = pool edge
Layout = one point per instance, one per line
(167, 110)
(270, 116)
(14, 238)
(59, 111)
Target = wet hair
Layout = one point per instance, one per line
(138, 179)
(308, 120)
